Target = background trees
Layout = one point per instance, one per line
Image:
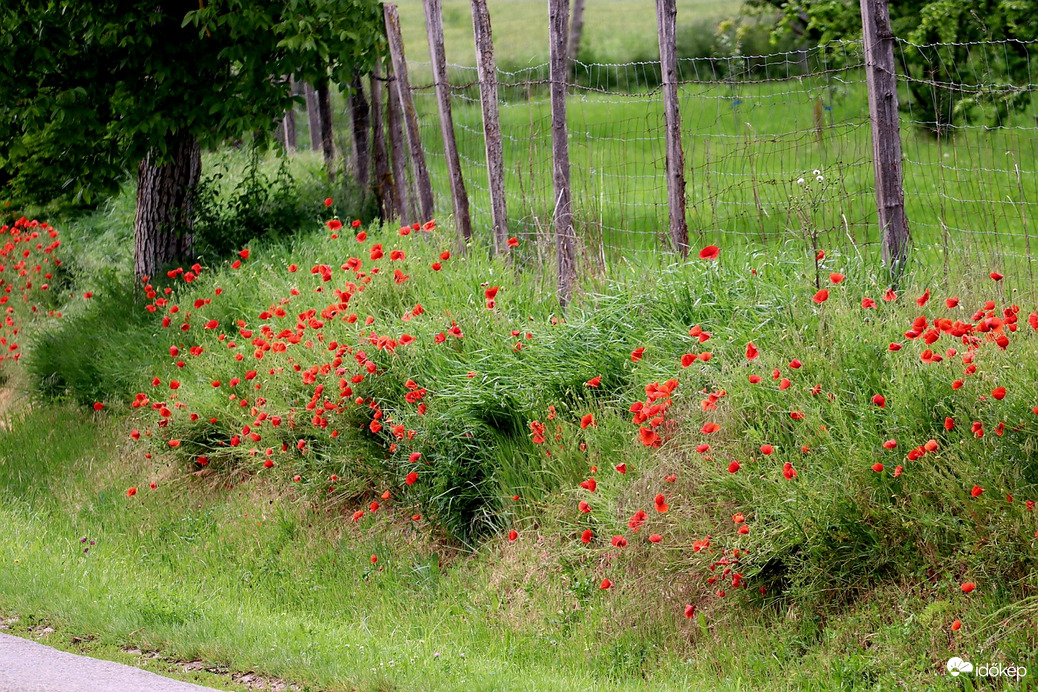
(931, 69)
(92, 90)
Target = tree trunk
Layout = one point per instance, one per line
(288, 122)
(381, 180)
(576, 30)
(361, 124)
(313, 116)
(324, 104)
(162, 229)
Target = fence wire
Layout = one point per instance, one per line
(777, 148)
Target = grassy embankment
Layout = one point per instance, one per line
(233, 563)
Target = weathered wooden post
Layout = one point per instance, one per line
(404, 205)
(487, 71)
(403, 88)
(666, 19)
(459, 197)
(565, 237)
(881, 80)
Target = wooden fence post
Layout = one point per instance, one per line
(361, 116)
(886, 132)
(381, 180)
(666, 19)
(565, 238)
(404, 205)
(460, 198)
(313, 114)
(414, 137)
(487, 71)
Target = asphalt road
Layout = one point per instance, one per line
(27, 666)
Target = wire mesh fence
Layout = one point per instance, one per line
(777, 149)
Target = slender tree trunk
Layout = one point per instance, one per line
(162, 229)
(361, 124)
(381, 180)
(314, 116)
(324, 104)
(288, 122)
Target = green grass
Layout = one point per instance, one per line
(248, 570)
(614, 30)
(256, 579)
(746, 141)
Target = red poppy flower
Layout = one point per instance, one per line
(131, 492)
(836, 277)
(605, 584)
(968, 587)
(733, 467)
(98, 406)
(513, 242)
(586, 536)
(995, 276)
(594, 381)
(999, 393)
(821, 296)
(976, 491)
(751, 351)
(710, 252)
(512, 535)
(877, 467)
(956, 626)
(636, 354)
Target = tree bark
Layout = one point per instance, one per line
(164, 223)
(324, 104)
(361, 124)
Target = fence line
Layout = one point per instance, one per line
(777, 148)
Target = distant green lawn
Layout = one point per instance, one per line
(746, 145)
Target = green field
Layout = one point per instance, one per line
(747, 141)
(614, 30)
